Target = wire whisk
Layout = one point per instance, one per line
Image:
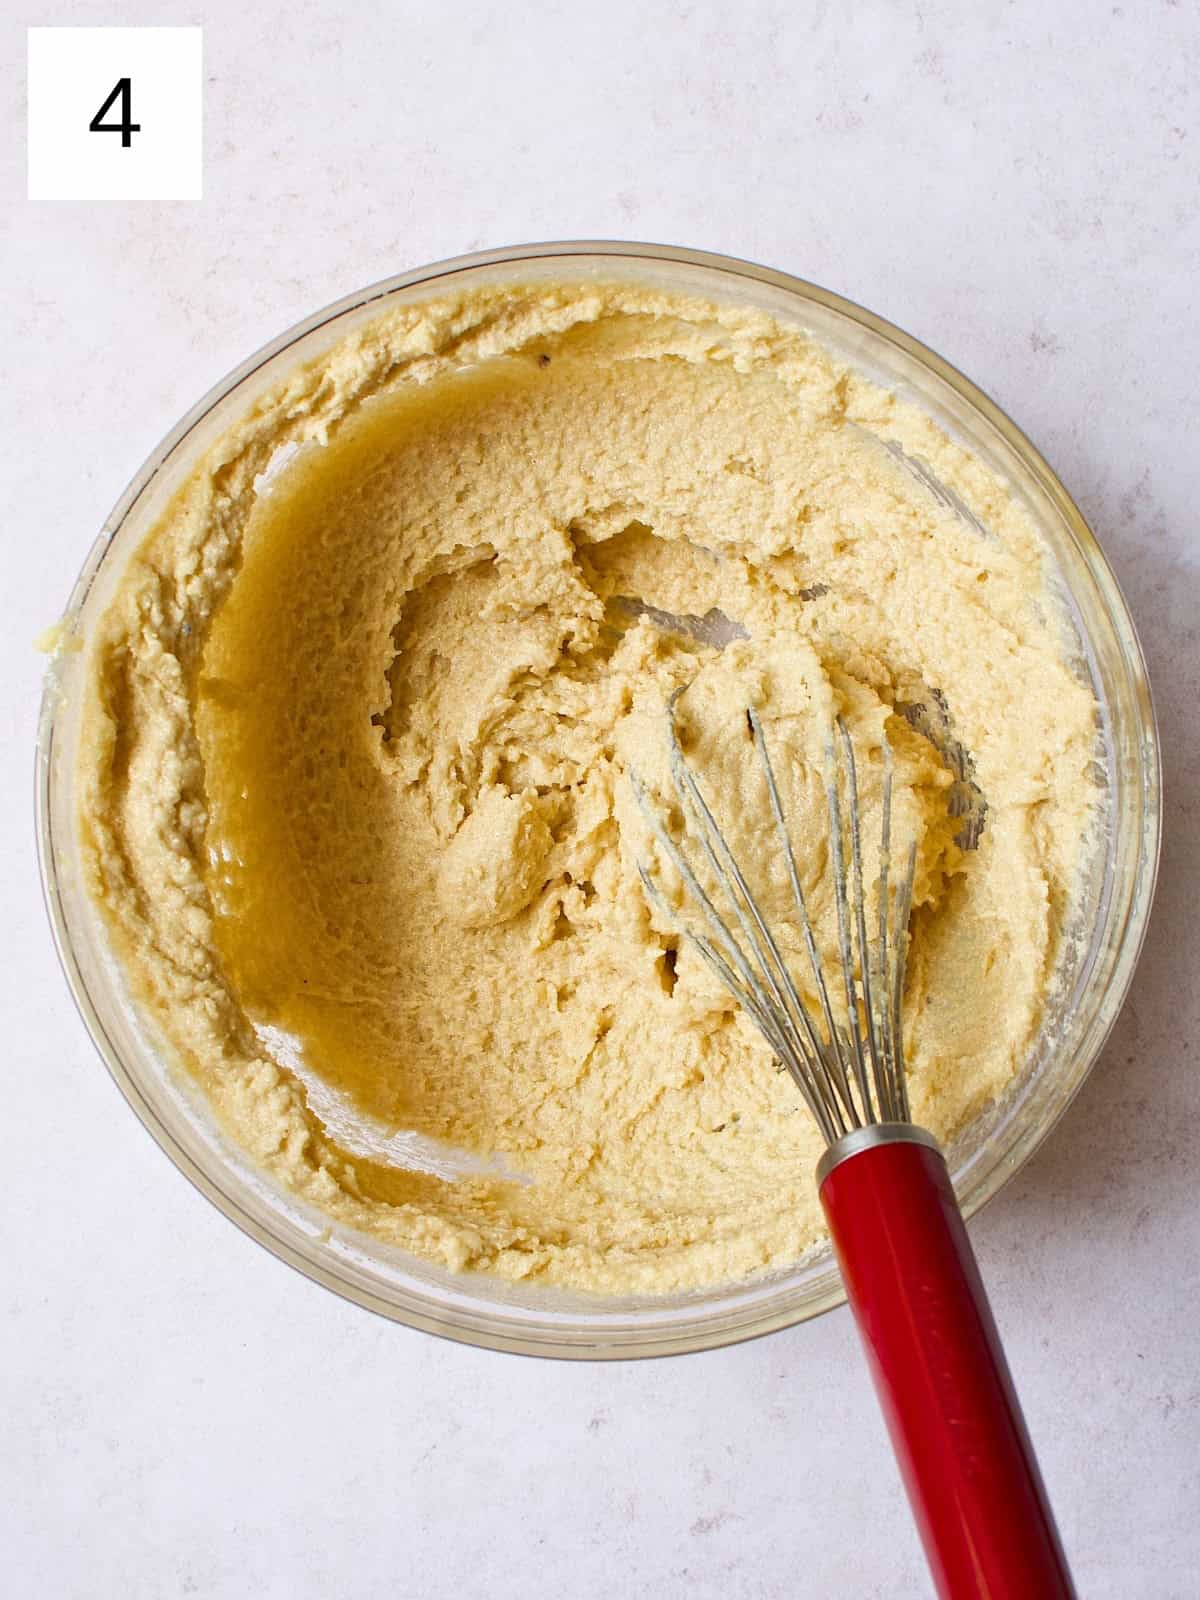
(910, 1275)
(849, 1075)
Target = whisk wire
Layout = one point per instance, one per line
(733, 969)
(841, 886)
(881, 947)
(759, 936)
(855, 1074)
(831, 1059)
(903, 911)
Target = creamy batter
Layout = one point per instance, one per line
(357, 740)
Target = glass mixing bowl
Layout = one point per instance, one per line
(1097, 963)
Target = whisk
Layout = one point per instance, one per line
(907, 1265)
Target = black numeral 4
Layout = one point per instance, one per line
(126, 127)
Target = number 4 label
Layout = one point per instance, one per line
(115, 113)
(127, 127)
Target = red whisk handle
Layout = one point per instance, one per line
(955, 1423)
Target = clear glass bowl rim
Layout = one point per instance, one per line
(610, 1338)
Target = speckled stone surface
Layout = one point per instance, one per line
(184, 1416)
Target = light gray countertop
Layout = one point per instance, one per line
(1017, 186)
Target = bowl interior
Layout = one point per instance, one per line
(1095, 966)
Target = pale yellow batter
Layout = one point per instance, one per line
(357, 742)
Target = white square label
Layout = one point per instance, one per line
(115, 113)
